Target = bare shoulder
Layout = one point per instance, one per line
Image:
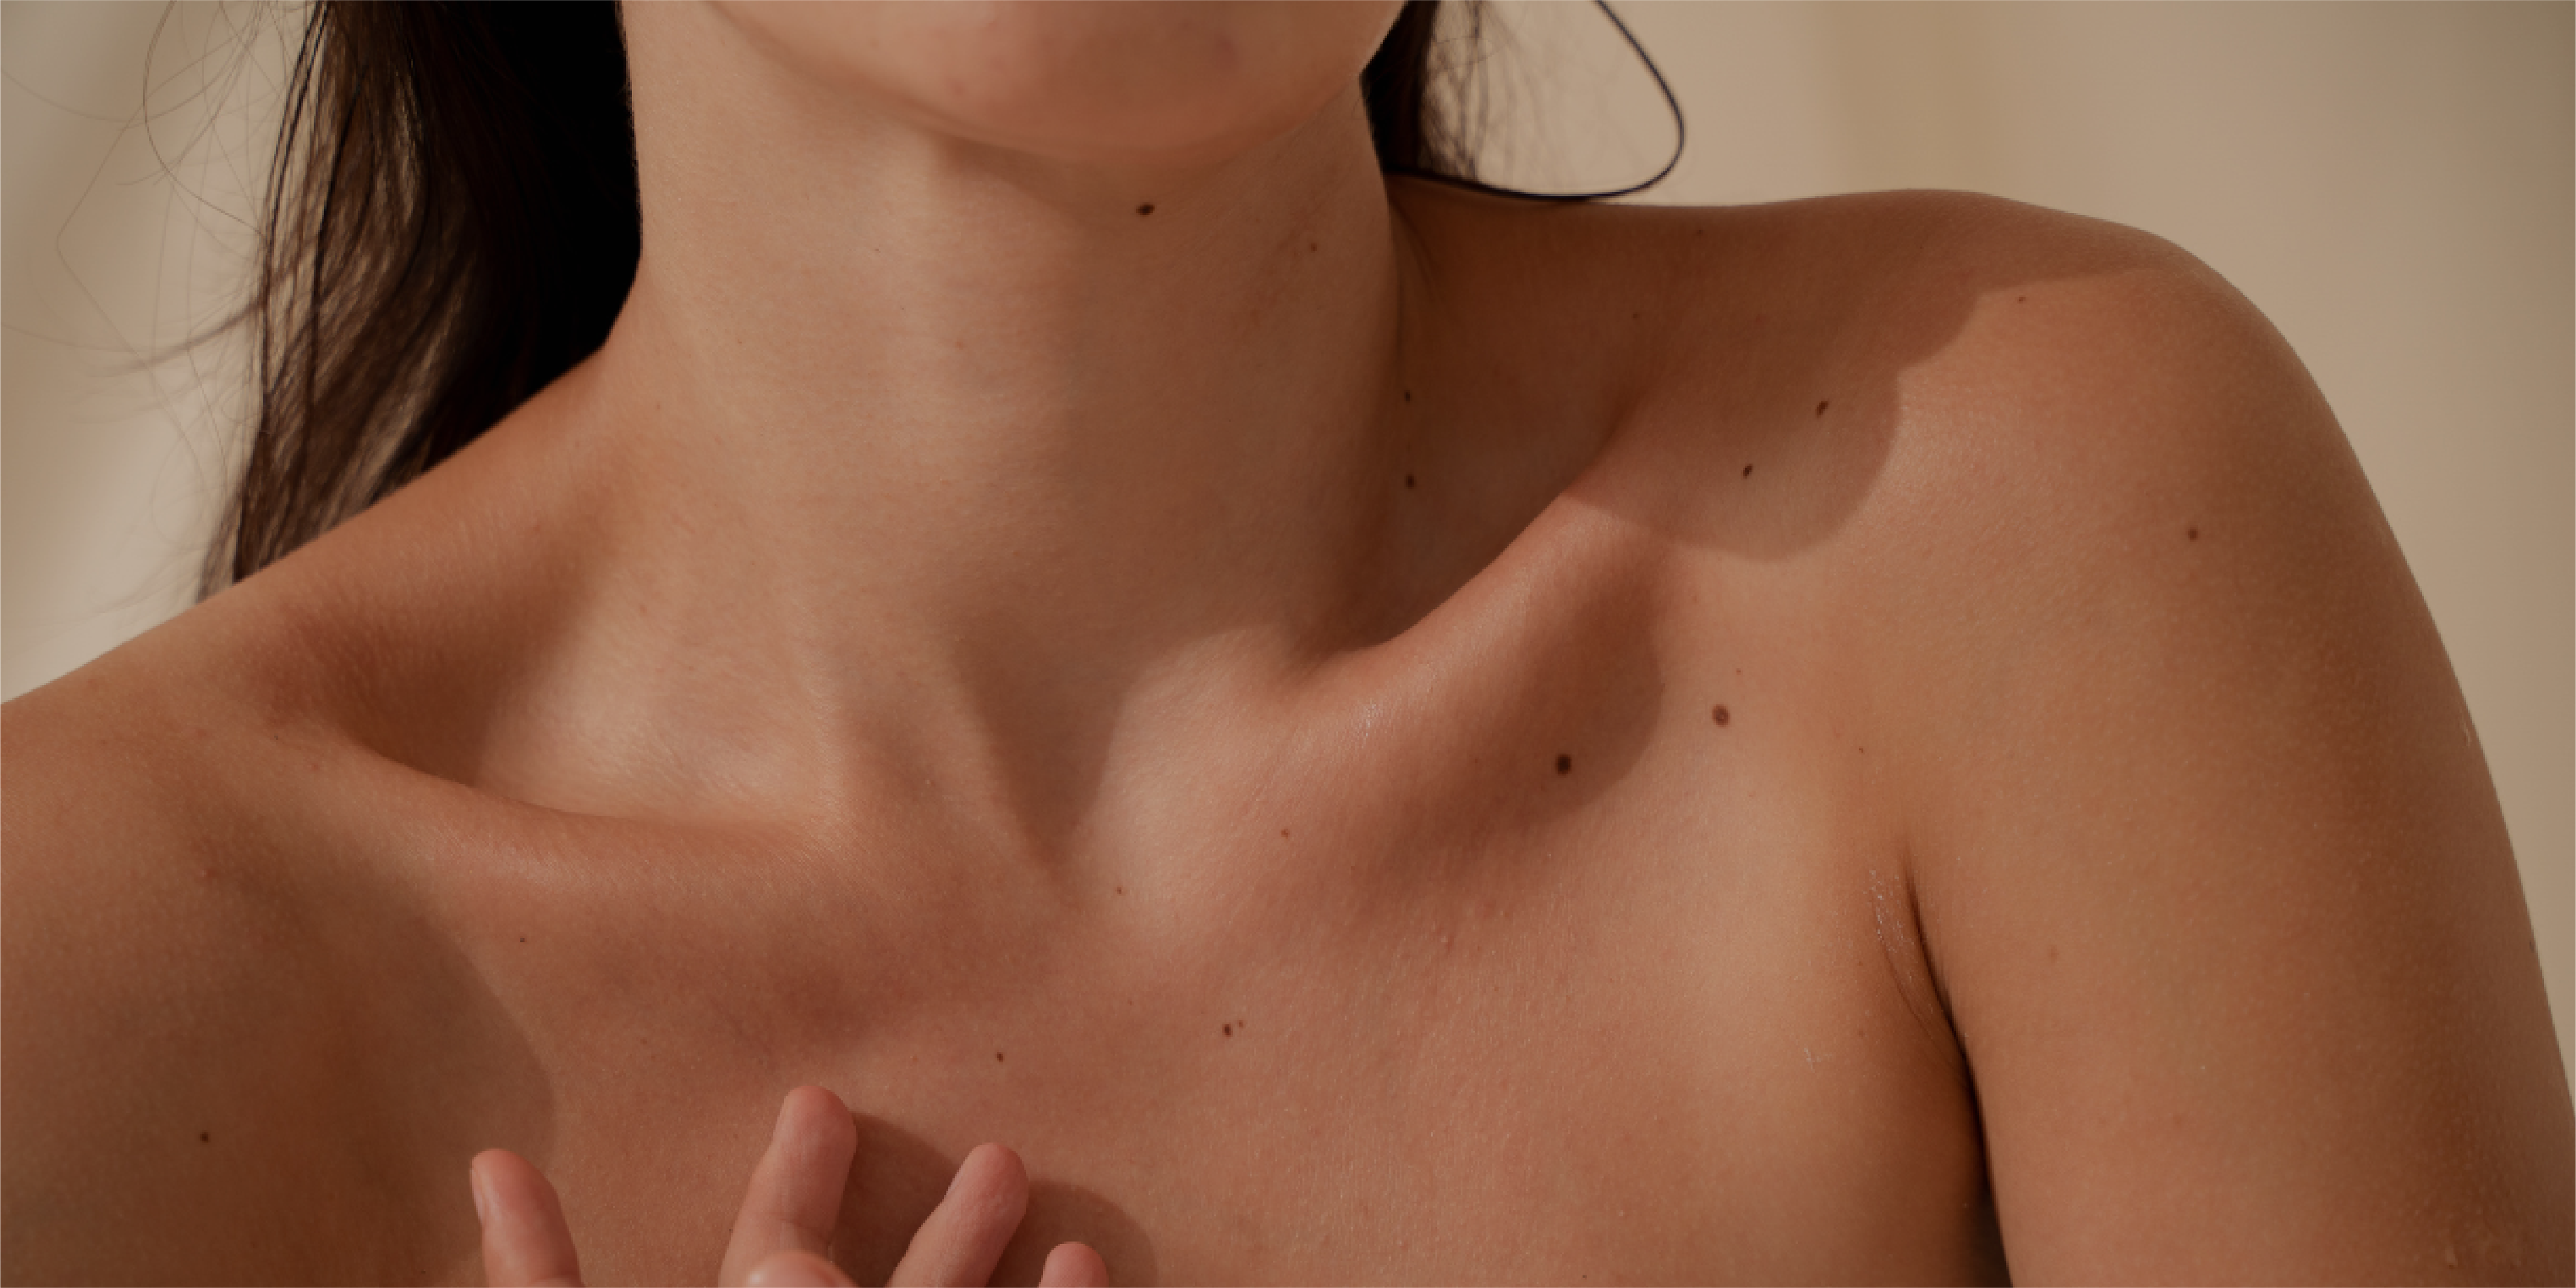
(173, 1102)
(2210, 874)
(1790, 377)
(128, 843)
(2209, 867)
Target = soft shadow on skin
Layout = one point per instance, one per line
(898, 1178)
(450, 1073)
(1584, 692)
(1064, 1213)
(1773, 443)
(1535, 726)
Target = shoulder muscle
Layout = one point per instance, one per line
(170, 1101)
(2210, 865)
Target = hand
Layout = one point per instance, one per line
(783, 1235)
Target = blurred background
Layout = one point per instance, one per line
(2394, 184)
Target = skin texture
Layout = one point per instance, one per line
(1223, 700)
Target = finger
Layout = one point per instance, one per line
(966, 1233)
(525, 1241)
(1074, 1265)
(794, 1201)
(796, 1270)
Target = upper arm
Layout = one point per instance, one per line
(2210, 868)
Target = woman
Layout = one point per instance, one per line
(1365, 730)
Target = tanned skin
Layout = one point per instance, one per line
(1366, 732)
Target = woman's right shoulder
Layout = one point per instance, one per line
(166, 977)
(147, 749)
(114, 771)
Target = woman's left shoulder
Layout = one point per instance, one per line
(1955, 312)
(2199, 837)
(1953, 410)
(1921, 375)
(1997, 428)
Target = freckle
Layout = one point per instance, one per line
(523, 939)
(1820, 407)
(1720, 715)
(2052, 952)
(1122, 889)
(1408, 395)
(1283, 834)
(1408, 480)
(997, 1057)
(2192, 534)
(2021, 299)
(205, 1138)
(1748, 471)
(1146, 209)
(1229, 1030)
(1565, 764)
(1311, 246)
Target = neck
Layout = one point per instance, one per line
(887, 398)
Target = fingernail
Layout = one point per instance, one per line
(778, 1127)
(482, 1205)
(788, 1270)
(959, 1174)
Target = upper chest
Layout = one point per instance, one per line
(1584, 1010)
(1560, 935)
(1500, 954)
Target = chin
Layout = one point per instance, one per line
(1112, 81)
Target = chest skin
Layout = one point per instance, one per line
(1481, 951)
(1489, 953)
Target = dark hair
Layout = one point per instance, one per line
(452, 224)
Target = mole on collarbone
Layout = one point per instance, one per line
(1720, 714)
(1820, 407)
(997, 1057)
(1564, 764)
(205, 1138)
(1748, 471)
(2191, 534)
(1146, 209)
(1408, 480)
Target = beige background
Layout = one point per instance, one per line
(2394, 184)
